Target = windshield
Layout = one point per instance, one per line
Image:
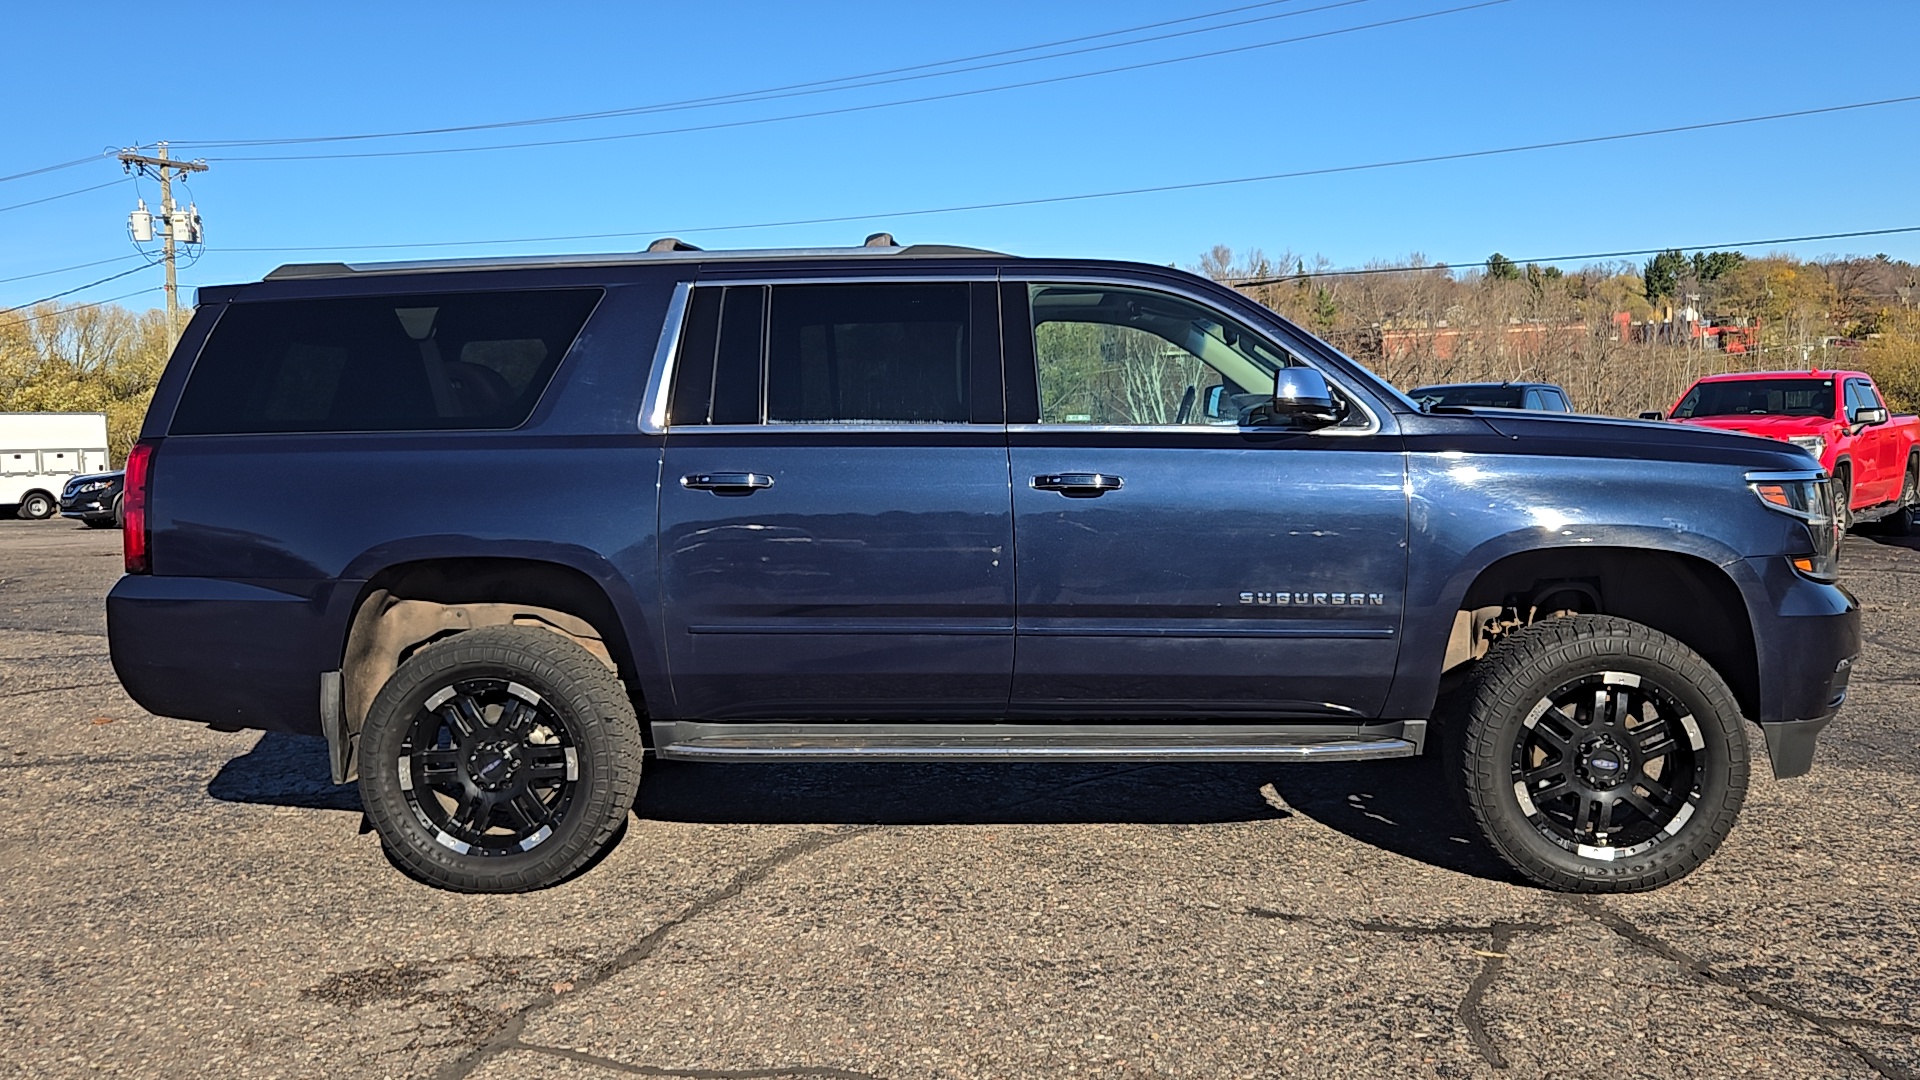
(1497, 397)
(1758, 397)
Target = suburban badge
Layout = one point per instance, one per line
(1314, 599)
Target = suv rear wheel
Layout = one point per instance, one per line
(1599, 755)
(499, 760)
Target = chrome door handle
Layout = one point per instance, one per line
(727, 483)
(1078, 485)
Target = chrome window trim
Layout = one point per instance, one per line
(653, 411)
(1373, 419)
(1164, 429)
(838, 427)
(974, 277)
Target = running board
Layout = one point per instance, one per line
(682, 740)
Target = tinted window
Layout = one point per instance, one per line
(868, 354)
(407, 363)
(1860, 395)
(1488, 397)
(1556, 401)
(717, 375)
(1758, 397)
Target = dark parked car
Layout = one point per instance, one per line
(925, 503)
(94, 499)
(1545, 397)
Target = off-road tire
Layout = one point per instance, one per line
(595, 719)
(1901, 521)
(1522, 674)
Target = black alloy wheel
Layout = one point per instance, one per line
(489, 767)
(1598, 754)
(502, 759)
(1608, 763)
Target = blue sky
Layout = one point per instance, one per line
(99, 76)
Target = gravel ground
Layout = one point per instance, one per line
(180, 901)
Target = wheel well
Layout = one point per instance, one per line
(408, 606)
(1682, 596)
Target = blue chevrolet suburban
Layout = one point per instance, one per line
(498, 528)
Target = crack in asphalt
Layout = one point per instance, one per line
(616, 1065)
(105, 759)
(54, 689)
(507, 1037)
(1493, 960)
(1706, 973)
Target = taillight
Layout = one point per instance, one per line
(136, 537)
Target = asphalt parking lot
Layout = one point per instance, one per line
(179, 901)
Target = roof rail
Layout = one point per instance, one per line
(665, 249)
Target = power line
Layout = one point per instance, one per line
(1122, 192)
(68, 195)
(1448, 268)
(75, 289)
(845, 110)
(53, 168)
(792, 89)
(76, 266)
(23, 320)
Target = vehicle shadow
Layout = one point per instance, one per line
(284, 770)
(1401, 806)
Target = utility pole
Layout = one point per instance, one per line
(177, 225)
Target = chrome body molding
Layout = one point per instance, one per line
(914, 741)
(653, 411)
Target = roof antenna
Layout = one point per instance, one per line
(671, 243)
(880, 239)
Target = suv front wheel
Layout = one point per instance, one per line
(499, 760)
(1599, 755)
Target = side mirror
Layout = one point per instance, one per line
(1654, 414)
(1215, 405)
(1869, 416)
(1302, 397)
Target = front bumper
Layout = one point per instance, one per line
(87, 507)
(1806, 636)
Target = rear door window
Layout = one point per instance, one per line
(868, 354)
(390, 363)
(856, 353)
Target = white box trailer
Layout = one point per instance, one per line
(40, 452)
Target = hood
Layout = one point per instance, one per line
(1574, 435)
(1772, 427)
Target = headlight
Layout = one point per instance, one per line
(1808, 497)
(97, 485)
(1812, 444)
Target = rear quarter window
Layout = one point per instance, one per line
(390, 363)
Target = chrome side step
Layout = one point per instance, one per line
(682, 740)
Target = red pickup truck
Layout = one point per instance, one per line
(1837, 416)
